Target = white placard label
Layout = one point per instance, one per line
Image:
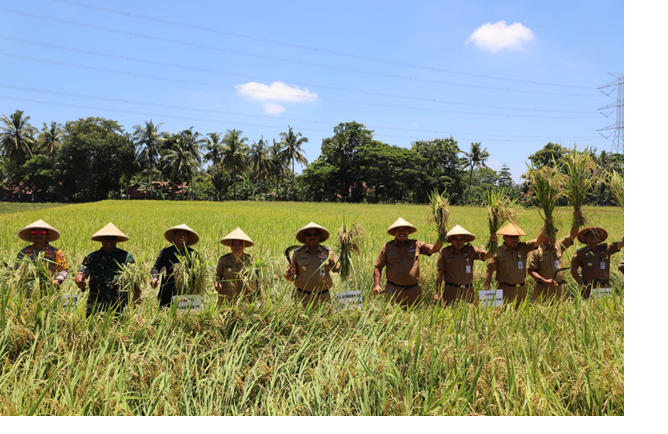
(191, 302)
(69, 301)
(350, 299)
(490, 297)
(601, 292)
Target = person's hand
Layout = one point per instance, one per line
(494, 238)
(56, 282)
(154, 282)
(81, 282)
(377, 289)
(219, 287)
(549, 221)
(550, 282)
(577, 213)
(290, 273)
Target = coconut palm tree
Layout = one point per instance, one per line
(476, 157)
(260, 160)
(235, 154)
(16, 137)
(293, 147)
(50, 138)
(149, 142)
(213, 145)
(279, 162)
(181, 163)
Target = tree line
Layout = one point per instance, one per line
(96, 158)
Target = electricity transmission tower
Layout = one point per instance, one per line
(618, 108)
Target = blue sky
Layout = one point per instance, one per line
(512, 75)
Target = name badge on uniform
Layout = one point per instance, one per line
(468, 269)
(556, 263)
(411, 250)
(520, 266)
(602, 265)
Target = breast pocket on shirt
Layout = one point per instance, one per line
(303, 264)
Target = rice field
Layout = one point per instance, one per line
(273, 357)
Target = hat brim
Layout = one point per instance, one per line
(602, 233)
(52, 234)
(301, 234)
(411, 230)
(192, 240)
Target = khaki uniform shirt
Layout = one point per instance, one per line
(595, 264)
(402, 261)
(546, 261)
(310, 276)
(511, 264)
(227, 272)
(457, 265)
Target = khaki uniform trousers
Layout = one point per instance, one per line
(588, 286)
(307, 298)
(548, 293)
(406, 297)
(513, 293)
(451, 293)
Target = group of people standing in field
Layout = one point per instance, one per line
(311, 264)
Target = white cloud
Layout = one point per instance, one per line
(273, 108)
(497, 36)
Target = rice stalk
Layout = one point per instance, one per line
(439, 213)
(351, 235)
(499, 210)
(580, 170)
(33, 278)
(546, 185)
(129, 281)
(189, 274)
(616, 184)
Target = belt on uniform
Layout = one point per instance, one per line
(516, 285)
(312, 293)
(402, 286)
(599, 281)
(459, 286)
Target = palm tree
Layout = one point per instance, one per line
(180, 162)
(279, 162)
(235, 154)
(476, 157)
(214, 147)
(150, 140)
(260, 160)
(293, 147)
(50, 138)
(16, 137)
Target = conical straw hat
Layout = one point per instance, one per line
(110, 231)
(401, 223)
(511, 229)
(602, 234)
(301, 234)
(237, 234)
(52, 234)
(460, 231)
(169, 234)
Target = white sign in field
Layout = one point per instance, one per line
(490, 297)
(601, 292)
(70, 301)
(192, 302)
(350, 299)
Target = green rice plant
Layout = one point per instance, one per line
(439, 213)
(190, 274)
(499, 210)
(616, 184)
(581, 177)
(129, 281)
(546, 184)
(32, 278)
(350, 237)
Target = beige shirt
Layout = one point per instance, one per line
(310, 275)
(545, 261)
(595, 264)
(228, 269)
(457, 265)
(511, 264)
(402, 260)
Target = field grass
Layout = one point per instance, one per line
(273, 357)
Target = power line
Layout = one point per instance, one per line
(304, 47)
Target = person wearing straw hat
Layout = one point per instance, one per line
(100, 269)
(230, 267)
(40, 234)
(510, 263)
(546, 267)
(311, 264)
(401, 257)
(455, 267)
(593, 259)
(181, 237)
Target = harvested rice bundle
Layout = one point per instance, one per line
(190, 275)
(500, 210)
(33, 278)
(547, 186)
(129, 281)
(351, 235)
(439, 213)
(580, 170)
(616, 184)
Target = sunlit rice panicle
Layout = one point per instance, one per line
(129, 280)
(439, 212)
(499, 210)
(350, 236)
(616, 184)
(190, 275)
(547, 185)
(580, 177)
